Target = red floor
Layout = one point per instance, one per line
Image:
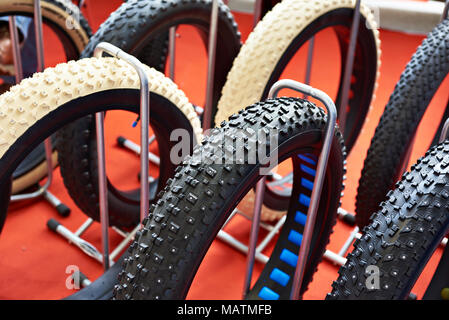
(34, 260)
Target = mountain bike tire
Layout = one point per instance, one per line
(274, 42)
(96, 83)
(132, 27)
(56, 14)
(394, 134)
(403, 233)
(200, 197)
(44, 103)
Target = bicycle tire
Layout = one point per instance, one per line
(42, 104)
(403, 234)
(197, 201)
(84, 81)
(394, 134)
(152, 18)
(273, 43)
(55, 14)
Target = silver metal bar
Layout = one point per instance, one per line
(84, 227)
(207, 114)
(309, 62)
(257, 12)
(15, 49)
(50, 197)
(260, 189)
(335, 258)
(227, 238)
(348, 242)
(40, 67)
(444, 132)
(136, 149)
(144, 117)
(171, 51)
(271, 234)
(320, 171)
(349, 67)
(445, 11)
(124, 243)
(43, 190)
(102, 188)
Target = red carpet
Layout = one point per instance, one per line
(34, 260)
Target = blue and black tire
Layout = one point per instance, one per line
(198, 200)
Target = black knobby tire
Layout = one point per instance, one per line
(72, 43)
(103, 90)
(197, 201)
(80, 171)
(394, 134)
(132, 27)
(403, 234)
(106, 100)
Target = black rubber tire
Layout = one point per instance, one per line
(71, 46)
(194, 205)
(394, 134)
(136, 23)
(80, 171)
(364, 71)
(132, 27)
(162, 112)
(403, 234)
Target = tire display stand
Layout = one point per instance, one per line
(251, 249)
(105, 257)
(42, 191)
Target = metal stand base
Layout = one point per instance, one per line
(89, 249)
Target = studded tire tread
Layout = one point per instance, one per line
(403, 233)
(417, 85)
(189, 212)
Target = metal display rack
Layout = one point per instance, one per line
(253, 251)
(142, 150)
(42, 191)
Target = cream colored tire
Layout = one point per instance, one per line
(276, 39)
(65, 19)
(42, 104)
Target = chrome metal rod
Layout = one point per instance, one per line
(349, 67)
(310, 51)
(19, 76)
(39, 36)
(207, 115)
(271, 234)
(40, 67)
(258, 200)
(227, 238)
(102, 188)
(348, 242)
(320, 172)
(445, 11)
(144, 117)
(86, 224)
(444, 131)
(171, 52)
(15, 49)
